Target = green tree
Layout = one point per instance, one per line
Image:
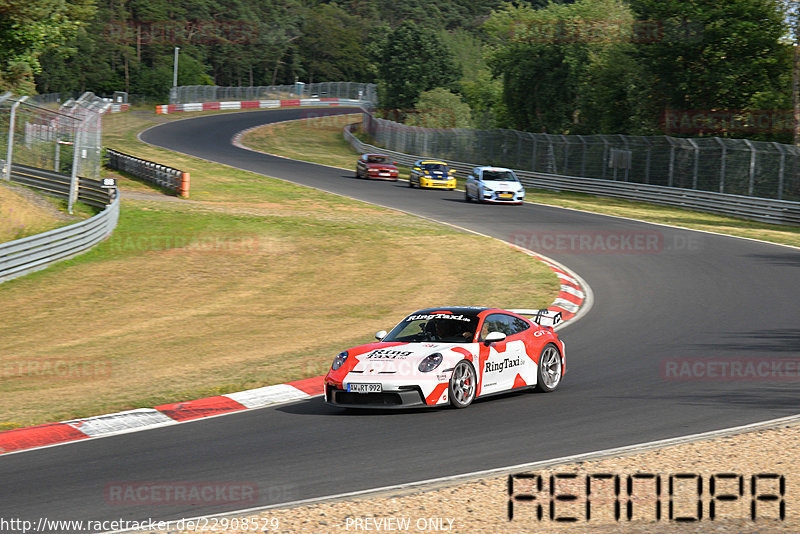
(477, 87)
(440, 108)
(550, 61)
(413, 60)
(28, 29)
(711, 55)
(333, 46)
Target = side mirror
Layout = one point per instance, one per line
(494, 337)
(382, 334)
(451, 171)
(394, 163)
(416, 168)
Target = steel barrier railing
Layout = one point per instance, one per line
(32, 253)
(155, 173)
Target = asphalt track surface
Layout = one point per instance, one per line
(692, 296)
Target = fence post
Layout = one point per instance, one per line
(696, 162)
(76, 156)
(752, 167)
(781, 169)
(604, 163)
(671, 174)
(566, 154)
(533, 156)
(627, 167)
(583, 155)
(10, 151)
(647, 160)
(722, 164)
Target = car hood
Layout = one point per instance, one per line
(382, 166)
(502, 186)
(395, 357)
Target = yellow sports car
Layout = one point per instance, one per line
(433, 174)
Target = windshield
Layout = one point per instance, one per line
(377, 159)
(501, 176)
(443, 327)
(430, 167)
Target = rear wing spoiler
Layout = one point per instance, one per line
(541, 317)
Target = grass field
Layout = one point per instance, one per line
(288, 139)
(24, 212)
(253, 282)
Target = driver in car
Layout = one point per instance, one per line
(451, 330)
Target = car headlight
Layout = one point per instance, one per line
(430, 362)
(339, 360)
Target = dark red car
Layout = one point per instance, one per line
(376, 166)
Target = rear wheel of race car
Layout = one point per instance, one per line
(410, 183)
(463, 385)
(550, 369)
(467, 198)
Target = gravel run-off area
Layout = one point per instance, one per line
(767, 454)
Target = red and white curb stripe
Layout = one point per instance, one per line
(167, 414)
(571, 297)
(254, 104)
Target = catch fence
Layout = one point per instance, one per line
(712, 164)
(364, 92)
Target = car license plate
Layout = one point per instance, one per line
(383, 174)
(506, 195)
(364, 388)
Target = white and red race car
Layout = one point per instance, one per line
(450, 355)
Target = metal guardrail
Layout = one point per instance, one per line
(155, 173)
(90, 191)
(32, 253)
(753, 208)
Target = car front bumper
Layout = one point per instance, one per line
(504, 197)
(437, 184)
(375, 175)
(404, 398)
(399, 392)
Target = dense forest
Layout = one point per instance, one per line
(692, 67)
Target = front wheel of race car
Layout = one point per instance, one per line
(463, 385)
(550, 369)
